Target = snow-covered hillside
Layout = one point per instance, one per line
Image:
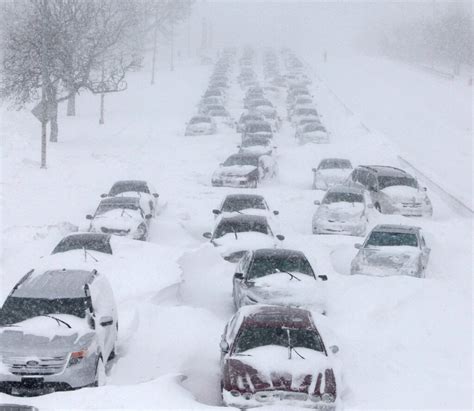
(405, 343)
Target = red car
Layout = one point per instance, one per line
(275, 355)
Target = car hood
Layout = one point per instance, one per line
(234, 171)
(340, 211)
(116, 219)
(199, 126)
(281, 289)
(228, 244)
(386, 259)
(404, 193)
(46, 335)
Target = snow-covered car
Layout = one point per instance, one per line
(96, 242)
(215, 93)
(393, 191)
(260, 128)
(278, 277)
(312, 133)
(303, 100)
(236, 234)
(330, 172)
(392, 250)
(211, 107)
(120, 216)
(254, 103)
(143, 190)
(200, 125)
(344, 210)
(301, 123)
(209, 101)
(247, 117)
(254, 204)
(275, 355)
(257, 144)
(244, 170)
(58, 329)
(296, 92)
(221, 117)
(304, 113)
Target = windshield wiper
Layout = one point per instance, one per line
(290, 345)
(235, 233)
(290, 274)
(57, 319)
(125, 212)
(88, 253)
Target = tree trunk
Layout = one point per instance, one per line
(53, 132)
(71, 105)
(102, 98)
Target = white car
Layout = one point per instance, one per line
(234, 235)
(344, 210)
(140, 189)
(257, 144)
(304, 113)
(312, 133)
(200, 125)
(254, 204)
(392, 250)
(330, 172)
(120, 216)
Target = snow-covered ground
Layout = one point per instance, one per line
(404, 342)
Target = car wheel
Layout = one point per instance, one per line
(144, 230)
(100, 375)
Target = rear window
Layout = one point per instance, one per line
(125, 187)
(387, 239)
(335, 163)
(92, 243)
(389, 181)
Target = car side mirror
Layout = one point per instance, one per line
(276, 212)
(103, 195)
(358, 246)
(317, 202)
(156, 195)
(280, 237)
(148, 216)
(89, 217)
(224, 346)
(323, 277)
(239, 276)
(207, 235)
(216, 212)
(334, 349)
(106, 321)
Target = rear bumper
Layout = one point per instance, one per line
(235, 183)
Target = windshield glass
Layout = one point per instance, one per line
(338, 197)
(197, 120)
(237, 204)
(95, 243)
(126, 187)
(335, 163)
(389, 181)
(314, 127)
(18, 309)
(256, 141)
(258, 336)
(104, 208)
(384, 239)
(265, 265)
(258, 127)
(306, 112)
(241, 161)
(244, 226)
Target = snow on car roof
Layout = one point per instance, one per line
(55, 284)
(396, 228)
(121, 200)
(387, 170)
(244, 196)
(267, 315)
(281, 252)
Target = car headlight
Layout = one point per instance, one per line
(328, 397)
(77, 356)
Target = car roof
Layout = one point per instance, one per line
(396, 228)
(245, 155)
(245, 217)
(243, 196)
(277, 252)
(387, 170)
(54, 284)
(121, 200)
(271, 315)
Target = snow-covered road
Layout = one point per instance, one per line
(404, 342)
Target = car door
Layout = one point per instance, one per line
(425, 251)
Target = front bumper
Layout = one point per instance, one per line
(276, 397)
(385, 270)
(236, 182)
(410, 210)
(337, 227)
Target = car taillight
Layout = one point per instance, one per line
(77, 356)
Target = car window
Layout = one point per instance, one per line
(126, 186)
(272, 264)
(237, 160)
(389, 181)
(241, 226)
(339, 197)
(387, 239)
(98, 243)
(243, 203)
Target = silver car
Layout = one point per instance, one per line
(58, 329)
(330, 172)
(344, 210)
(200, 125)
(392, 250)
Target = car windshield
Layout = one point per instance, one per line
(220, 113)
(314, 127)
(258, 128)
(92, 243)
(241, 161)
(126, 187)
(389, 181)
(16, 309)
(251, 117)
(334, 163)
(104, 208)
(254, 337)
(260, 103)
(198, 120)
(271, 264)
(339, 197)
(241, 226)
(237, 204)
(256, 141)
(387, 239)
(306, 112)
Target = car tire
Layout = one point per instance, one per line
(145, 232)
(100, 374)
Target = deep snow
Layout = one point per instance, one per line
(404, 342)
